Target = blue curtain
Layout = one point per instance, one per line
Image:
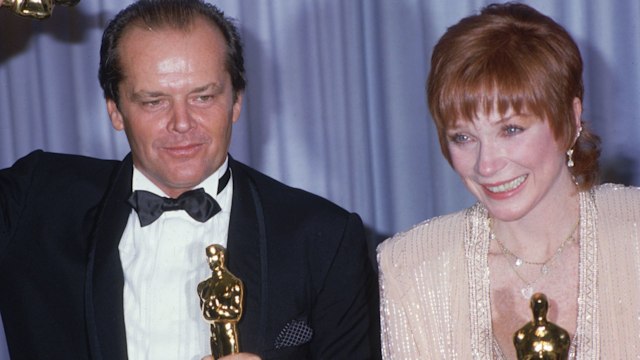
(335, 102)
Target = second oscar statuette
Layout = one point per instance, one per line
(221, 297)
(39, 9)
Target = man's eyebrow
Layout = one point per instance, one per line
(211, 86)
(143, 94)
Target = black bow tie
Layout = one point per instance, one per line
(197, 203)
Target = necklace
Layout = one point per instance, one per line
(517, 261)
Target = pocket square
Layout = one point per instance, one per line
(296, 332)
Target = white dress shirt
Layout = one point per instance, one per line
(163, 264)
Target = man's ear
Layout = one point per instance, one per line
(237, 106)
(117, 121)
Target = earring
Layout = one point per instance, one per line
(570, 162)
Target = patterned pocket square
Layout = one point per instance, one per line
(296, 332)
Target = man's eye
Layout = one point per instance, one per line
(203, 98)
(151, 103)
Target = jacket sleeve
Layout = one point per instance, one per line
(396, 332)
(14, 190)
(342, 313)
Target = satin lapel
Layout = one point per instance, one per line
(246, 256)
(105, 279)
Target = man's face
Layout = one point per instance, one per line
(176, 103)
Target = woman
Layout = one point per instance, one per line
(505, 92)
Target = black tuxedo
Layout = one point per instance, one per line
(303, 261)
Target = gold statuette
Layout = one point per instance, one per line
(541, 339)
(38, 9)
(221, 298)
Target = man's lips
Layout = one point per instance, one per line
(182, 149)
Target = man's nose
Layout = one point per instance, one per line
(181, 119)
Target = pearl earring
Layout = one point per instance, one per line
(570, 162)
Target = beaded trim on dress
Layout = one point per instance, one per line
(584, 345)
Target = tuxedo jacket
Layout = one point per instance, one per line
(303, 261)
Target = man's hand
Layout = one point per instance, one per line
(238, 356)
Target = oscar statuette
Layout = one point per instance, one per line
(541, 339)
(39, 9)
(221, 297)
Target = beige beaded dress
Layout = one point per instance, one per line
(434, 284)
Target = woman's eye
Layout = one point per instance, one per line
(512, 130)
(459, 138)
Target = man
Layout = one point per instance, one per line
(85, 272)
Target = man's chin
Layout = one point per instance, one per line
(179, 183)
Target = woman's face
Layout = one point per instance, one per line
(511, 163)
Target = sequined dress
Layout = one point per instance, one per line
(434, 284)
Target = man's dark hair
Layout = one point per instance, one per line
(178, 14)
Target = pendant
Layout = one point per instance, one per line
(527, 291)
(518, 262)
(544, 269)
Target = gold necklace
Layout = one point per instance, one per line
(517, 261)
